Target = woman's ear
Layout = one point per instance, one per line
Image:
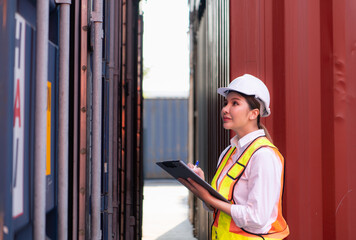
(254, 114)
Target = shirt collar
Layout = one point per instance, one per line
(240, 143)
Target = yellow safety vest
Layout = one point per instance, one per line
(223, 226)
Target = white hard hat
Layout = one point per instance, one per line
(250, 85)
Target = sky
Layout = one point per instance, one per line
(165, 48)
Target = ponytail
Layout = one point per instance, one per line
(261, 126)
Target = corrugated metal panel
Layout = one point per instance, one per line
(130, 164)
(305, 51)
(122, 179)
(304, 199)
(209, 69)
(344, 117)
(165, 133)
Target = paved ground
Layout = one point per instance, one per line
(165, 211)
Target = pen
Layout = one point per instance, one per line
(196, 164)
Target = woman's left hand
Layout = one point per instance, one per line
(205, 196)
(197, 189)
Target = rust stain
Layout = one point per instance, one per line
(4, 12)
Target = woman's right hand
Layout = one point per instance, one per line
(197, 170)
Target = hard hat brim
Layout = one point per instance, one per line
(224, 91)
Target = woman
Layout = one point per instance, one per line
(249, 172)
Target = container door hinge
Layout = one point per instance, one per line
(63, 1)
(96, 17)
(132, 221)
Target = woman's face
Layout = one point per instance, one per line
(236, 114)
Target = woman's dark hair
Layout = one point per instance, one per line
(253, 103)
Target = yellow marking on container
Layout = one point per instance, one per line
(48, 144)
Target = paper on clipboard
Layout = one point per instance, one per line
(178, 169)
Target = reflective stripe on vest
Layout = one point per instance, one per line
(223, 226)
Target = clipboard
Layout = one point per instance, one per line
(178, 169)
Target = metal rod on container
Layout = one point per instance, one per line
(116, 116)
(97, 18)
(111, 114)
(75, 118)
(83, 199)
(63, 124)
(40, 119)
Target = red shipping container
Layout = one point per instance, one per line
(306, 53)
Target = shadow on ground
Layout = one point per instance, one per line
(175, 233)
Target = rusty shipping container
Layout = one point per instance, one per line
(305, 52)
